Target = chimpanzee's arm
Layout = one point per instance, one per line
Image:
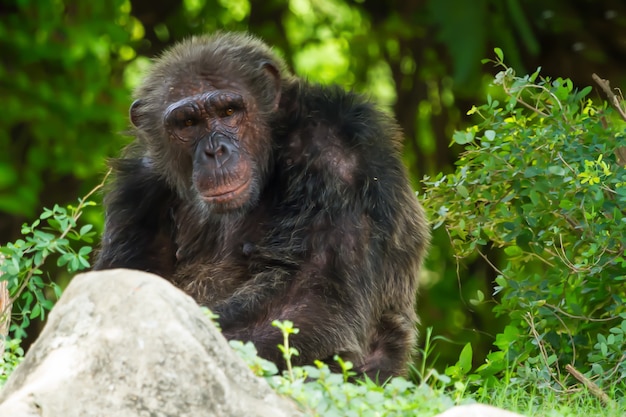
(138, 231)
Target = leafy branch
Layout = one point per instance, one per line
(21, 266)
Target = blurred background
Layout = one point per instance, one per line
(67, 69)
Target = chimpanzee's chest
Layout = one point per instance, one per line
(224, 257)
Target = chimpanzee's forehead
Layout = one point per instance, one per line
(195, 84)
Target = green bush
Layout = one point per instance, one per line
(540, 194)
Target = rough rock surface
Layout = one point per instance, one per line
(127, 343)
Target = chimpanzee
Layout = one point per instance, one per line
(267, 197)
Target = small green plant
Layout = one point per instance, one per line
(542, 186)
(321, 392)
(287, 329)
(56, 232)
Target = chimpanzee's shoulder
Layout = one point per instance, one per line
(353, 117)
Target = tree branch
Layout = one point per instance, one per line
(616, 101)
(590, 385)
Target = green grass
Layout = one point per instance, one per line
(534, 401)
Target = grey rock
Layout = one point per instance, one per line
(128, 343)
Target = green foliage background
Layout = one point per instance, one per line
(67, 68)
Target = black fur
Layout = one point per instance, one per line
(332, 236)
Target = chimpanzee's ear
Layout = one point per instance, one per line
(135, 113)
(274, 74)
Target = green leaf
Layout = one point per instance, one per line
(465, 358)
(501, 281)
(36, 311)
(557, 170)
(597, 369)
(84, 264)
(534, 75)
(64, 259)
(513, 251)
(84, 250)
(74, 264)
(499, 53)
(532, 171)
(507, 338)
(583, 93)
(462, 190)
(463, 138)
(480, 297)
(85, 229)
(566, 205)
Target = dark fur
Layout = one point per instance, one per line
(331, 238)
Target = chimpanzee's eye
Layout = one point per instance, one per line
(228, 111)
(183, 118)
